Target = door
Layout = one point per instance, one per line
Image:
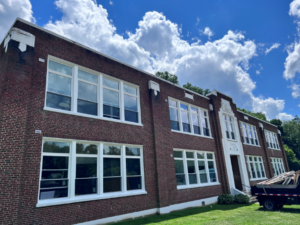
(236, 172)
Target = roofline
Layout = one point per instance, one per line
(97, 52)
(257, 118)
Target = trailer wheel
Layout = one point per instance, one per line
(269, 204)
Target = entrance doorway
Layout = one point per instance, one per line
(236, 172)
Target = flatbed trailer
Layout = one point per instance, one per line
(275, 196)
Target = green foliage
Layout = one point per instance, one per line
(291, 135)
(258, 115)
(196, 89)
(293, 162)
(167, 76)
(240, 198)
(225, 199)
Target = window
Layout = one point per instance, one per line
(76, 90)
(256, 167)
(194, 168)
(188, 119)
(71, 169)
(249, 134)
(228, 120)
(272, 141)
(277, 165)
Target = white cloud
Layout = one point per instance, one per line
(292, 62)
(198, 21)
(274, 46)
(284, 116)
(156, 45)
(296, 90)
(295, 8)
(208, 32)
(259, 70)
(111, 2)
(10, 10)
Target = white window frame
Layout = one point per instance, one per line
(271, 138)
(187, 185)
(72, 172)
(74, 93)
(229, 125)
(277, 166)
(190, 113)
(260, 162)
(253, 133)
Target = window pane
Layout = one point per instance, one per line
(203, 113)
(50, 174)
(192, 178)
(190, 155)
(174, 125)
(86, 167)
(58, 102)
(195, 120)
(203, 178)
(131, 116)
(111, 150)
(134, 183)
(172, 103)
(186, 127)
(54, 183)
(111, 167)
(191, 166)
(87, 76)
(173, 114)
(180, 179)
(200, 155)
(86, 186)
(130, 90)
(130, 103)
(112, 184)
(110, 97)
(201, 166)
(111, 112)
(197, 130)
(212, 177)
(252, 170)
(133, 167)
(53, 193)
(133, 151)
(194, 110)
(86, 149)
(204, 122)
(110, 83)
(55, 162)
(185, 117)
(56, 147)
(210, 156)
(184, 107)
(87, 91)
(59, 84)
(179, 166)
(262, 170)
(211, 167)
(87, 107)
(177, 154)
(60, 68)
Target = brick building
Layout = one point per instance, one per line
(85, 138)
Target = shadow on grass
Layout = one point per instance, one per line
(282, 210)
(182, 213)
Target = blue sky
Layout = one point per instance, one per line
(247, 49)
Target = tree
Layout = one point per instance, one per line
(293, 162)
(259, 115)
(168, 76)
(291, 134)
(278, 123)
(196, 89)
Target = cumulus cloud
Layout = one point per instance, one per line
(111, 2)
(296, 90)
(208, 32)
(274, 46)
(9, 10)
(157, 45)
(284, 116)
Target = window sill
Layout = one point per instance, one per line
(233, 140)
(176, 131)
(274, 149)
(196, 186)
(44, 203)
(90, 116)
(252, 145)
(264, 178)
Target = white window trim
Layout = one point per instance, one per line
(179, 187)
(272, 136)
(249, 167)
(72, 173)
(74, 94)
(277, 165)
(252, 133)
(178, 102)
(228, 127)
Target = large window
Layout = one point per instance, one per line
(229, 128)
(277, 165)
(188, 119)
(76, 90)
(249, 134)
(272, 140)
(71, 169)
(256, 167)
(194, 168)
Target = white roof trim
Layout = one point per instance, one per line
(257, 118)
(95, 51)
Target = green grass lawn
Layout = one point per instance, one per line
(224, 214)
